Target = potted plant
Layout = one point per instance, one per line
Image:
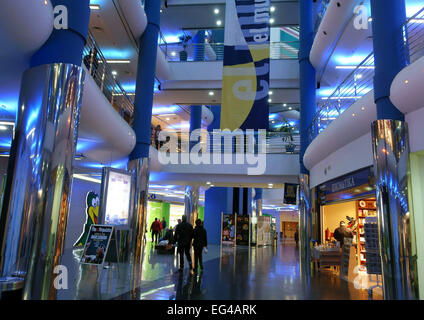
(183, 53)
(287, 129)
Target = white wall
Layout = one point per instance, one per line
(415, 122)
(353, 156)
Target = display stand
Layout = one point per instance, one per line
(373, 258)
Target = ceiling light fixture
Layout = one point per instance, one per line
(354, 67)
(211, 93)
(269, 100)
(271, 20)
(216, 11)
(270, 93)
(173, 53)
(285, 105)
(94, 6)
(290, 108)
(114, 73)
(118, 61)
(219, 22)
(272, 9)
(3, 128)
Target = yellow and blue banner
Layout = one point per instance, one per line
(245, 83)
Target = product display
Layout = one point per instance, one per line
(366, 208)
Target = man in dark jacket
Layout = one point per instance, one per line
(184, 236)
(342, 232)
(200, 241)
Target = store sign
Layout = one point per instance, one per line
(290, 193)
(151, 196)
(357, 184)
(245, 82)
(116, 197)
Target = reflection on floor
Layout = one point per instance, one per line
(242, 274)
(256, 273)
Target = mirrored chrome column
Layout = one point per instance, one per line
(391, 162)
(40, 183)
(140, 169)
(259, 207)
(191, 203)
(304, 229)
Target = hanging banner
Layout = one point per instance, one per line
(245, 83)
(290, 193)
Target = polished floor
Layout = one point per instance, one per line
(243, 273)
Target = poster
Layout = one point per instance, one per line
(97, 244)
(243, 230)
(245, 82)
(228, 228)
(263, 231)
(118, 197)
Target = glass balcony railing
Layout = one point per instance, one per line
(285, 50)
(413, 31)
(357, 84)
(105, 78)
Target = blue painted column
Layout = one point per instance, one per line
(145, 80)
(139, 162)
(195, 118)
(387, 19)
(217, 200)
(307, 109)
(391, 157)
(66, 45)
(199, 46)
(307, 77)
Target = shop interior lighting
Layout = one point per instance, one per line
(94, 6)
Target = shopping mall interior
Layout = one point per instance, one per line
(289, 128)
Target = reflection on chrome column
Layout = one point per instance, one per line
(39, 186)
(140, 168)
(191, 203)
(304, 230)
(398, 255)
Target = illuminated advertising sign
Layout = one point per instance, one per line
(116, 197)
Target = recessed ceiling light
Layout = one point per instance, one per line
(269, 100)
(370, 19)
(353, 114)
(94, 6)
(290, 108)
(406, 81)
(285, 105)
(271, 20)
(216, 11)
(208, 182)
(272, 9)
(173, 53)
(161, 10)
(219, 22)
(363, 108)
(118, 61)
(114, 73)
(270, 93)
(211, 93)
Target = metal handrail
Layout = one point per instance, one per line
(357, 84)
(102, 74)
(283, 50)
(413, 37)
(276, 143)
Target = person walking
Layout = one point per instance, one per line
(155, 229)
(158, 143)
(163, 222)
(184, 237)
(296, 237)
(200, 241)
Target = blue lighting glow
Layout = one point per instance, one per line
(272, 116)
(159, 110)
(183, 125)
(128, 87)
(350, 60)
(112, 53)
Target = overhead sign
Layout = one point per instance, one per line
(97, 244)
(290, 193)
(245, 82)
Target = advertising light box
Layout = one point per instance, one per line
(116, 197)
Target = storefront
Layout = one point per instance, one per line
(351, 199)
